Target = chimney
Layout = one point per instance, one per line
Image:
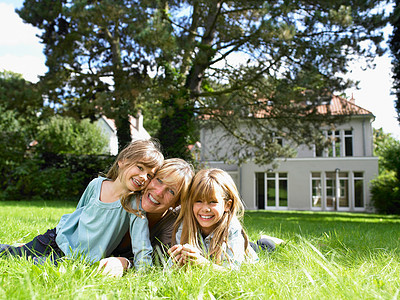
(352, 99)
(139, 121)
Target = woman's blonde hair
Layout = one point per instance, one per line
(146, 152)
(174, 171)
(178, 172)
(205, 185)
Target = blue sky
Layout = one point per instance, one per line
(21, 52)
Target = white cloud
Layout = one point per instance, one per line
(13, 30)
(375, 94)
(29, 66)
(20, 49)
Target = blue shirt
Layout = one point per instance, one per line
(233, 251)
(96, 228)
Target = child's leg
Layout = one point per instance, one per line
(40, 247)
(263, 244)
(267, 242)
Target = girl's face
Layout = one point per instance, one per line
(135, 177)
(159, 196)
(209, 212)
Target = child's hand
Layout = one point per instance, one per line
(190, 254)
(112, 266)
(175, 252)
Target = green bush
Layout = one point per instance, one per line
(54, 176)
(385, 190)
(67, 135)
(60, 165)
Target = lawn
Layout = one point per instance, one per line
(326, 256)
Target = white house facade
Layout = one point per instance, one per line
(109, 129)
(332, 179)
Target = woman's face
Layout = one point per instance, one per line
(158, 196)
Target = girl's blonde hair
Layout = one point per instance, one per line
(205, 185)
(174, 171)
(146, 152)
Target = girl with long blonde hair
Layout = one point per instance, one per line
(100, 221)
(208, 230)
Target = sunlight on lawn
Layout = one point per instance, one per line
(326, 256)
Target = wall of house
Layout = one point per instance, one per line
(217, 146)
(111, 136)
(299, 170)
(362, 138)
(299, 179)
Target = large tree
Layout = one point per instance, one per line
(96, 57)
(395, 48)
(224, 61)
(263, 65)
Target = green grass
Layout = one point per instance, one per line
(327, 256)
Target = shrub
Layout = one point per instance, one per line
(55, 176)
(385, 190)
(67, 135)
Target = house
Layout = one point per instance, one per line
(110, 130)
(332, 179)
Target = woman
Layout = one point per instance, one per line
(160, 200)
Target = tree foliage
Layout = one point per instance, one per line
(237, 59)
(387, 148)
(21, 108)
(33, 144)
(22, 98)
(222, 60)
(395, 49)
(385, 188)
(95, 64)
(65, 135)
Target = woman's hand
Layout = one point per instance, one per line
(113, 266)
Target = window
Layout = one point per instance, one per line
(260, 190)
(279, 141)
(343, 189)
(316, 189)
(348, 143)
(330, 190)
(334, 147)
(358, 190)
(330, 184)
(271, 190)
(340, 143)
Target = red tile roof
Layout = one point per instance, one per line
(341, 106)
(338, 106)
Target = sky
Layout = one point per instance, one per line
(21, 52)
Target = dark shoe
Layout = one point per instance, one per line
(4, 248)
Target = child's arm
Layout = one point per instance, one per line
(89, 193)
(113, 266)
(140, 239)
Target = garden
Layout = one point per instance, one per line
(325, 256)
